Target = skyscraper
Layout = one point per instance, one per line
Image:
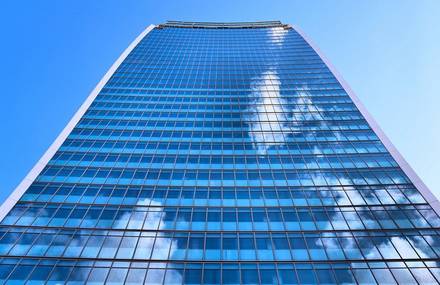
(225, 153)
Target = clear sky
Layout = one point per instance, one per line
(55, 52)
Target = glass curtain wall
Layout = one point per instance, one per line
(221, 153)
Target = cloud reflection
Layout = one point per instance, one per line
(277, 36)
(268, 119)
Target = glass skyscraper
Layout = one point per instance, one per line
(221, 153)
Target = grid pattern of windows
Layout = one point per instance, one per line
(221, 155)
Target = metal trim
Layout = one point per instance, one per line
(406, 168)
(39, 166)
(222, 25)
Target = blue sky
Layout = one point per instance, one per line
(55, 52)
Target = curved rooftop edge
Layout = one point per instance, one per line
(13, 198)
(223, 25)
(406, 168)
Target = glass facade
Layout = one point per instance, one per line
(221, 153)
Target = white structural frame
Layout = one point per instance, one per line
(44, 160)
(50, 152)
(406, 168)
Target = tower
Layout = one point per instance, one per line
(221, 153)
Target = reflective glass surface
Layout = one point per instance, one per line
(221, 155)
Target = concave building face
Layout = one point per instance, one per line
(221, 153)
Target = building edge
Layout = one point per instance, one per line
(13, 198)
(406, 168)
